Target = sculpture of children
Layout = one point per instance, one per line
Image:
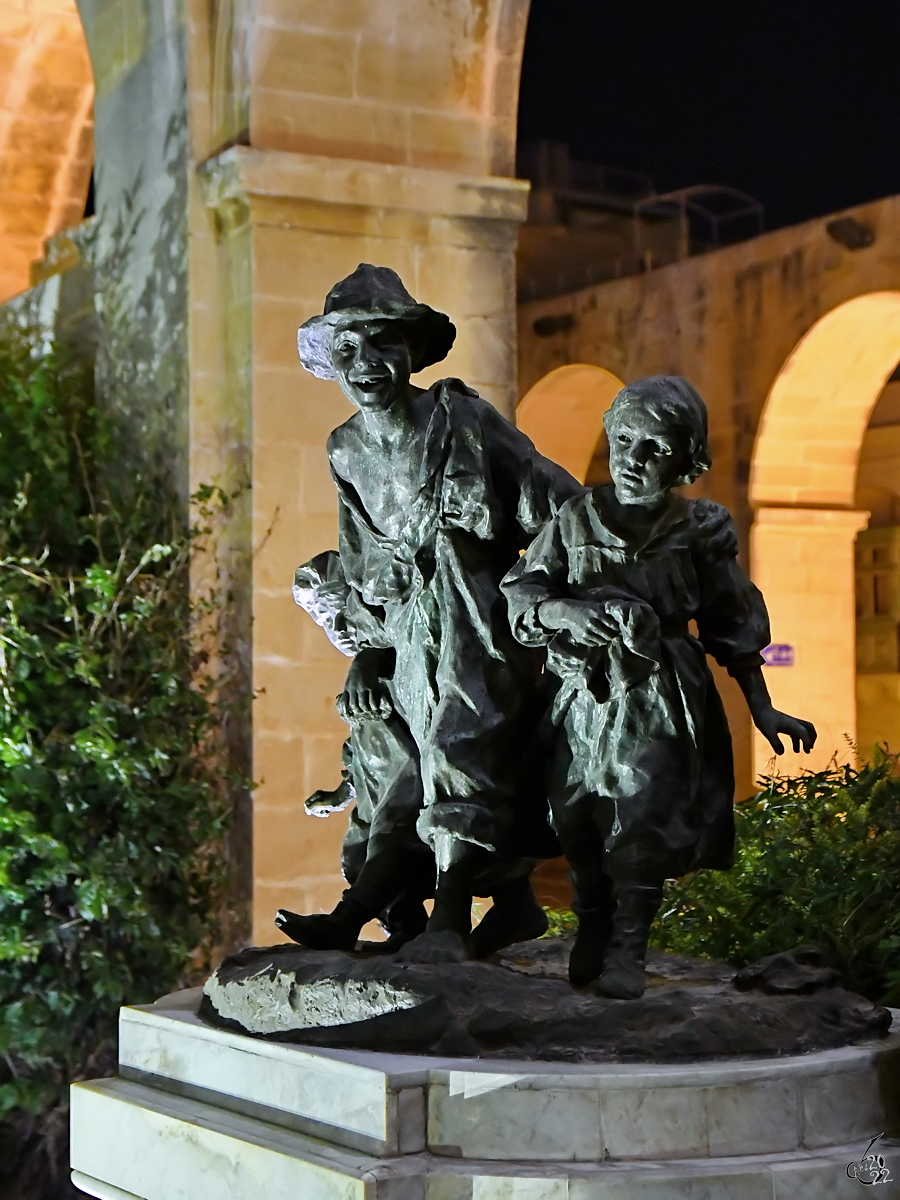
(437, 495)
(642, 777)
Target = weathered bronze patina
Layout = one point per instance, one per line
(642, 780)
(438, 494)
(380, 779)
(487, 690)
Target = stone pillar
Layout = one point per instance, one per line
(140, 242)
(803, 563)
(304, 222)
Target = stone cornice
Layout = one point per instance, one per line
(243, 174)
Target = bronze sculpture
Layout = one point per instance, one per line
(642, 783)
(380, 778)
(438, 494)
(450, 629)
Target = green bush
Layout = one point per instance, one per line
(817, 861)
(111, 811)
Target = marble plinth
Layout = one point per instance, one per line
(199, 1113)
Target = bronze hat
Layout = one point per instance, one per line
(374, 293)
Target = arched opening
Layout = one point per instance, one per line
(878, 577)
(803, 485)
(46, 132)
(563, 414)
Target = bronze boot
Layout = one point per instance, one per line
(623, 975)
(337, 930)
(515, 916)
(595, 926)
(404, 920)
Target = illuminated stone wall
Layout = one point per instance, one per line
(422, 83)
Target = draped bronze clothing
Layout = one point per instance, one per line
(463, 684)
(643, 753)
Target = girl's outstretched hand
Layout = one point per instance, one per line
(770, 723)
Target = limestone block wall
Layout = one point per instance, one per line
(46, 130)
(878, 709)
(803, 560)
(141, 186)
(878, 473)
(416, 82)
(728, 321)
(878, 491)
(250, 153)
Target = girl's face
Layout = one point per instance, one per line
(647, 456)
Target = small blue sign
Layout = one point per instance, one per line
(778, 655)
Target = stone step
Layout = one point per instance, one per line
(135, 1142)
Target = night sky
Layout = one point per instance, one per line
(795, 101)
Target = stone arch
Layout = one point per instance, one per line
(563, 413)
(802, 485)
(426, 84)
(46, 132)
(815, 417)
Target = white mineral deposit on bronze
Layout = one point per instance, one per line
(263, 1003)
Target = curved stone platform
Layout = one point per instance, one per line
(207, 1114)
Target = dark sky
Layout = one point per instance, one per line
(795, 101)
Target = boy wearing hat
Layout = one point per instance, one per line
(438, 494)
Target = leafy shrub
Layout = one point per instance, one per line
(111, 811)
(817, 861)
(563, 922)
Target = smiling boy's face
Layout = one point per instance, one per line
(647, 455)
(372, 362)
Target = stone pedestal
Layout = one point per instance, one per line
(198, 1113)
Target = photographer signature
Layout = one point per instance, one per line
(870, 1169)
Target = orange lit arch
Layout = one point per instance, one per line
(802, 483)
(563, 413)
(815, 417)
(46, 131)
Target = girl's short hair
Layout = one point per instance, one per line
(671, 399)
